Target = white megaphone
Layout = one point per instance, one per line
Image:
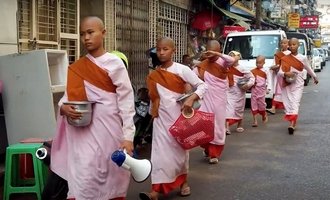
(140, 169)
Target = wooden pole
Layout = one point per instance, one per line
(258, 14)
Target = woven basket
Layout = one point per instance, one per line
(194, 131)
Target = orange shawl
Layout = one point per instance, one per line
(258, 72)
(233, 71)
(166, 79)
(290, 61)
(278, 57)
(84, 69)
(213, 68)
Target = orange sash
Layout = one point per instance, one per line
(213, 68)
(258, 72)
(233, 71)
(290, 61)
(278, 57)
(84, 69)
(166, 79)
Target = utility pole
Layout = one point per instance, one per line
(258, 14)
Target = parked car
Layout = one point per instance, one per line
(326, 54)
(322, 55)
(316, 61)
(303, 50)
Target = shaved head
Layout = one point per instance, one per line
(294, 40)
(92, 33)
(260, 58)
(166, 40)
(94, 20)
(213, 45)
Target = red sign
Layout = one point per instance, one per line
(229, 29)
(309, 21)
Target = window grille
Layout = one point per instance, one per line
(110, 25)
(71, 46)
(69, 28)
(25, 16)
(128, 32)
(46, 20)
(41, 21)
(69, 16)
(46, 46)
(172, 22)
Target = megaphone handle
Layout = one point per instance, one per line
(125, 166)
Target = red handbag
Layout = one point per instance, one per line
(195, 130)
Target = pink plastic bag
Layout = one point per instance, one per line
(194, 131)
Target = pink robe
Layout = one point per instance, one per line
(236, 97)
(169, 159)
(81, 155)
(292, 93)
(215, 99)
(258, 94)
(277, 84)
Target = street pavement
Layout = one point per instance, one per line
(265, 163)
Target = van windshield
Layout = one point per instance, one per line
(250, 46)
(301, 48)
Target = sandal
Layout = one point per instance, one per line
(240, 129)
(144, 196)
(148, 196)
(254, 125)
(185, 191)
(270, 111)
(291, 130)
(265, 119)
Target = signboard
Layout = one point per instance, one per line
(293, 20)
(276, 12)
(309, 21)
(229, 29)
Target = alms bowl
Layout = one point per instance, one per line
(85, 108)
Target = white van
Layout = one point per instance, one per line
(252, 44)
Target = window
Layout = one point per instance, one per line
(253, 45)
(40, 22)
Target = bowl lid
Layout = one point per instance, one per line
(78, 102)
(184, 96)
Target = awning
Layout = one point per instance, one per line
(228, 13)
(243, 24)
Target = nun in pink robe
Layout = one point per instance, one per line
(259, 91)
(292, 93)
(82, 155)
(215, 99)
(235, 95)
(170, 162)
(277, 83)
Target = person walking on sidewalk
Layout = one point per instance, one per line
(80, 155)
(236, 93)
(166, 84)
(277, 83)
(259, 91)
(213, 71)
(291, 71)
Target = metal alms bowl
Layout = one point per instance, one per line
(182, 98)
(84, 107)
(242, 81)
(291, 79)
